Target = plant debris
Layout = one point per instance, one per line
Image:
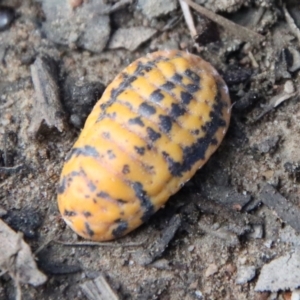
(188, 18)
(286, 210)
(238, 31)
(294, 29)
(47, 109)
(16, 259)
(282, 273)
(11, 170)
(159, 246)
(98, 289)
(287, 93)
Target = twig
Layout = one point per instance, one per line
(98, 289)
(222, 234)
(238, 31)
(5, 148)
(172, 23)
(287, 93)
(18, 289)
(294, 29)
(10, 170)
(45, 244)
(253, 60)
(90, 243)
(188, 18)
(7, 104)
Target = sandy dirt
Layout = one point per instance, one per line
(224, 227)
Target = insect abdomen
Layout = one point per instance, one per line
(156, 124)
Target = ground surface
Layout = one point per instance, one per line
(226, 235)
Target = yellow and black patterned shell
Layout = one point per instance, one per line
(156, 124)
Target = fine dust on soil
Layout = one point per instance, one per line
(214, 243)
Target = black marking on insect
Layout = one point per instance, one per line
(147, 67)
(140, 150)
(85, 151)
(87, 214)
(156, 96)
(192, 88)
(75, 174)
(104, 106)
(111, 154)
(146, 109)
(197, 151)
(136, 121)
(177, 78)
(69, 213)
(119, 231)
(176, 111)
(121, 201)
(173, 165)
(192, 75)
(195, 132)
(186, 98)
(127, 80)
(106, 135)
(126, 103)
(124, 84)
(65, 181)
(103, 195)
(88, 229)
(62, 186)
(91, 186)
(145, 201)
(165, 123)
(112, 115)
(126, 169)
(168, 86)
(153, 135)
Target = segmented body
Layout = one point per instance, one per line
(156, 124)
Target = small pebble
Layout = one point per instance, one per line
(7, 15)
(156, 8)
(191, 248)
(268, 244)
(199, 294)
(211, 270)
(230, 269)
(289, 87)
(245, 274)
(257, 232)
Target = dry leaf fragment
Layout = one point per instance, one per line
(98, 289)
(16, 258)
(286, 210)
(294, 29)
(282, 273)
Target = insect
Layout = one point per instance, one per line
(156, 124)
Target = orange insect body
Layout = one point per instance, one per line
(156, 124)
